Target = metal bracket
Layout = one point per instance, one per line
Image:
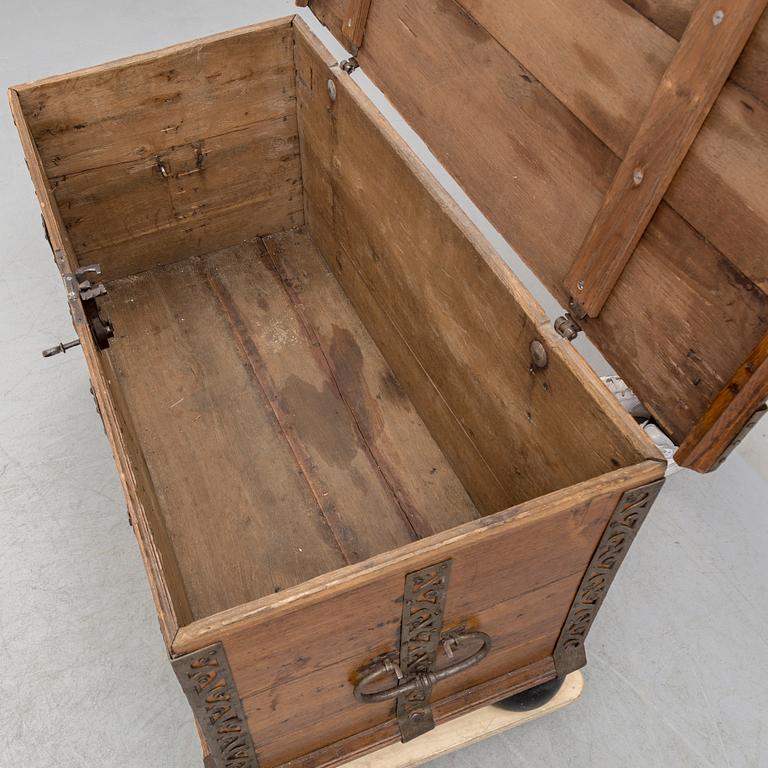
(632, 509)
(206, 679)
(349, 65)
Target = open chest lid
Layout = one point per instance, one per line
(632, 180)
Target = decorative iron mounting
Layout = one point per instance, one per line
(619, 534)
(207, 681)
(420, 638)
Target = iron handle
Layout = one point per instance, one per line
(422, 680)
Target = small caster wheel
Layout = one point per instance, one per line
(533, 698)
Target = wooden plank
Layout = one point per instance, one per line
(330, 627)
(750, 71)
(216, 192)
(355, 18)
(175, 153)
(375, 738)
(605, 62)
(554, 173)
(145, 105)
(465, 730)
(320, 423)
(725, 419)
(323, 714)
(716, 33)
(311, 417)
(459, 310)
(421, 479)
(157, 554)
(222, 470)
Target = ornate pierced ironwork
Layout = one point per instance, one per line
(420, 631)
(622, 528)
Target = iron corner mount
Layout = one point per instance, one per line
(207, 681)
(630, 513)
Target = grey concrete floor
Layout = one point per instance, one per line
(677, 656)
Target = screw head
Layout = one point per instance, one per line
(332, 90)
(637, 176)
(718, 16)
(539, 354)
(580, 285)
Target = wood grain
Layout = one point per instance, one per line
(751, 70)
(331, 627)
(462, 731)
(425, 487)
(605, 63)
(679, 107)
(218, 191)
(271, 423)
(355, 18)
(554, 173)
(175, 153)
(222, 470)
(158, 556)
(724, 420)
(460, 316)
(375, 738)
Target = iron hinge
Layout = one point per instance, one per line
(569, 324)
(349, 65)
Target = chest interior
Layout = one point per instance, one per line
(317, 358)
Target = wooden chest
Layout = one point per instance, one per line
(372, 486)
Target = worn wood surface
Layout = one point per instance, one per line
(554, 172)
(464, 730)
(605, 63)
(281, 419)
(751, 70)
(157, 553)
(679, 106)
(514, 575)
(453, 322)
(355, 18)
(428, 492)
(174, 153)
(722, 423)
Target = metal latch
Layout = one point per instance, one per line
(80, 286)
(421, 636)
